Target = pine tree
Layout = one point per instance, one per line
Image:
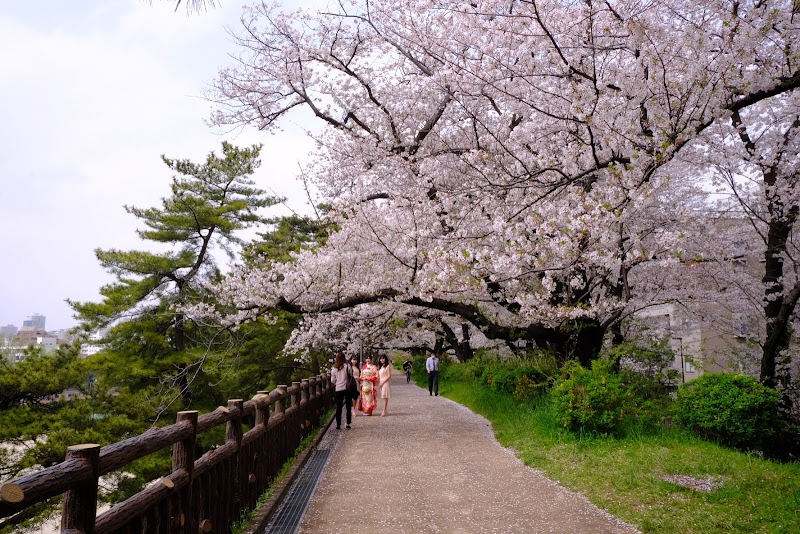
(209, 204)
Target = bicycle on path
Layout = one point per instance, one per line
(407, 368)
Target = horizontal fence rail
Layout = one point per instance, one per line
(205, 494)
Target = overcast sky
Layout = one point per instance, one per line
(92, 92)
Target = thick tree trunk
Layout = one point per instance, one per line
(182, 378)
(582, 341)
(617, 337)
(778, 307)
(465, 352)
(438, 345)
(182, 383)
(462, 347)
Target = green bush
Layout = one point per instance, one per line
(523, 378)
(503, 380)
(645, 370)
(731, 409)
(590, 400)
(527, 387)
(646, 373)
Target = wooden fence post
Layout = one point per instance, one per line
(312, 387)
(262, 409)
(261, 457)
(233, 432)
(79, 505)
(280, 406)
(295, 393)
(183, 453)
(306, 408)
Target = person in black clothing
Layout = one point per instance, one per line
(407, 368)
(355, 369)
(432, 366)
(340, 376)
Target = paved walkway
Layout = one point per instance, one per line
(432, 465)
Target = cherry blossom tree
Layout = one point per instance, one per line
(497, 161)
(770, 144)
(388, 326)
(752, 159)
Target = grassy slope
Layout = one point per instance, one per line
(623, 476)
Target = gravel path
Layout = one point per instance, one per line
(432, 465)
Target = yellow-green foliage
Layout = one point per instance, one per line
(590, 400)
(733, 409)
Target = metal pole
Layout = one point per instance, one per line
(683, 365)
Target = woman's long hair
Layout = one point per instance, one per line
(383, 358)
(339, 360)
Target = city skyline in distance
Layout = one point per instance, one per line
(34, 320)
(73, 157)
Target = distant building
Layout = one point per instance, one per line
(35, 322)
(28, 334)
(684, 337)
(48, 343)
(9, 330)
(14, 348)
(94, 344)
(32, 333)
(32, 328)
(13, 352)
(65, 335)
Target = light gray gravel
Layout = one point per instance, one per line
(432, 465)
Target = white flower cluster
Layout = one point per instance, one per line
(552, 164)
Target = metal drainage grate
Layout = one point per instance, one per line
(287, 519)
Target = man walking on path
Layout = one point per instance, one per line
(432, 365)
(436, 467)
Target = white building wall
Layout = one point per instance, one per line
(668, 321)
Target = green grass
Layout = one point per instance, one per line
(623, 475)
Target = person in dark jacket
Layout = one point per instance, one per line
(340, 376)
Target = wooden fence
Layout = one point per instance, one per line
(206, 494)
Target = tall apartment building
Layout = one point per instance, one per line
(34, 322)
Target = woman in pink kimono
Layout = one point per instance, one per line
(369, 391)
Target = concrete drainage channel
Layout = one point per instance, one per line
(283, 512)
(288, 517)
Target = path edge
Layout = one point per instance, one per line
(263, 515)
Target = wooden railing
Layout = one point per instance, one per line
(198, 495)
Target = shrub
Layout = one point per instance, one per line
(590, 400)
(528, 387)
(645, 370)
(732, 409)
(504, 380)
(523, 377)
